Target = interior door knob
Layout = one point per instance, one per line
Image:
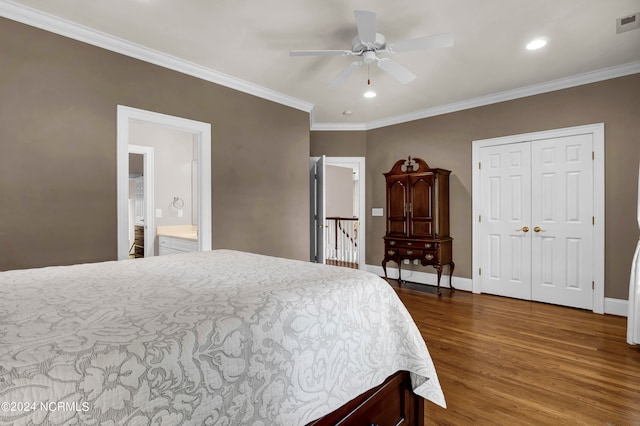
(538, 229)
(524, 229)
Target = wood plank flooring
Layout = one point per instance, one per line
(342, 263)
(504, 361)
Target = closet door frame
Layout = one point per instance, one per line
(597, 132)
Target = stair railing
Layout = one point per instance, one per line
(342, 239)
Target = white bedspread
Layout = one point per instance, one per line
(212, 338)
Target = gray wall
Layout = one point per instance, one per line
(339, 144)
(445, 141)
(58, 101)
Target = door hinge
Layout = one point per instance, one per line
(593, 285)
(593, 220)
(479, 271)
(593, 155)
(480, 218)
(479, 165)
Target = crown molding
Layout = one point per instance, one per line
(36, 18)
(323, 127)
(54, 24)
(523, 92)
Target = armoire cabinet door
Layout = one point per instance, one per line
(396, 207)
(421, 193)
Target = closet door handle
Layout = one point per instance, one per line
(538, 229)
(524, 229)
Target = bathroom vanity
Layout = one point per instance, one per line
(177, 239)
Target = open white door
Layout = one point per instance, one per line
(148, 202)
(317, 210)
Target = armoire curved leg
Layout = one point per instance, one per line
(439, 270)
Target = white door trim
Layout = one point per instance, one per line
(202, 133)
(362, 232)
(597, 130)
(147, 153)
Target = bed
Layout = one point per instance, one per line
(208, 338)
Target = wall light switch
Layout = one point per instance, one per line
(180, 213)
(158, 212)
(377, 211)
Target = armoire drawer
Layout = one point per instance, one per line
(410, 252)
(404, 244)
(431, 257)
(426, 245)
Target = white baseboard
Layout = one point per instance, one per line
(423, 277)
(616, 307)
(611, 306)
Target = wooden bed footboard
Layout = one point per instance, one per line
(391, 403)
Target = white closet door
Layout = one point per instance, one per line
(505, 237)
(562, 212)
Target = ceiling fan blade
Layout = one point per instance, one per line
(320, 52)
(367, 27)
(421, 43)
(345, 73)
(396, 70)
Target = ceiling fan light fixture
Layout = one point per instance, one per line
(366, 45)
(536, 44)
(369, 93)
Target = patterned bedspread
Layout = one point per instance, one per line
(210, 338)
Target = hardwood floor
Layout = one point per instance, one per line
(344, 264)
(504, 361)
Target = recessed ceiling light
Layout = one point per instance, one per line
(536, 44)
(369, 94)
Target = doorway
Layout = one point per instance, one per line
(337, 222)
(201, 133)
(538, 209)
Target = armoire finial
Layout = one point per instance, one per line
(410, 165)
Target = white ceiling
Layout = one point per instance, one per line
(250, 40)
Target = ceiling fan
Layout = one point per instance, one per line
(368, 43)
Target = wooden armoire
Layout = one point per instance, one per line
(418, 217)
